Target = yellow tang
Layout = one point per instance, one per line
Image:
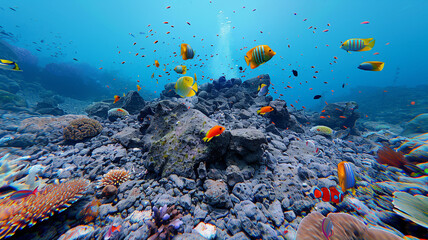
(186, 86)
(9, 65)
(259, 55)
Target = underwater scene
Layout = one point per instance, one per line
(213, 119)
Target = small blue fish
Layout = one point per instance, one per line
(371, 66)
(21, 194)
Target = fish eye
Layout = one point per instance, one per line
(270, 50)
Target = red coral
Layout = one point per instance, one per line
(38, 207)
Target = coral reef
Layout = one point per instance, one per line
(388, 156)
(115, 177)
(38, 207)
(80, 129)
(165, 223)
(345, 227)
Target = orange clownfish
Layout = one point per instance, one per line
(187, 51)
(213, 132)
(259, 55)
(331, 194)
(265, 110)
(156, 63)
(116, 98)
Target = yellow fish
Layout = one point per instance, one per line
(358, 44)
(323, 130)
(258, 55)
(186, 86)
(180, 69)
(187, 51)
(138, 88)
(371, 66)
(156, 63)
(9, 65)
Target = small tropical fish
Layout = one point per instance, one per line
(323, 130)
(79, 232)
(186, 86)
(180, 69)
(6, 189)
(153, 75)
(358, 44)
(295, 73)
(240, 68)
(365, 22)
(317, 96)
(138, 88)
(265, 110)
(116, 98)
(111, 231)
(327, 194)
(9, 65)
(371, 66)
(187, 51)
(213, 132)
(156, 63)
(262, 90)
(21, 194)
(327, 227)
(346, 176)
(259, 55)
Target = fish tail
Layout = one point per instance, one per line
(16, 68)
(184, 70)
(247, 60)
(369, 42)
(206, 139)
(377, 66)
(258, 111)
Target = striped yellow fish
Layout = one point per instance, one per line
(259, 55)
(358, 44)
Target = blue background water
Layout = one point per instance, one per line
(95, 31)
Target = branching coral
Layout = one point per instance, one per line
(82, 128)
(414, 208)
(115, 177)
(15, 215)
(165, 223)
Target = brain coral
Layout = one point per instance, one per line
(345, 227)
(15, 215)
(82, 128)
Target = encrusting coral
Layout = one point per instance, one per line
(17, 214)
(115, 177)
(165, 223)
(82, 128)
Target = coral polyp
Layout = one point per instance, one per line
(115, 177)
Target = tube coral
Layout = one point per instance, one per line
(115, 177)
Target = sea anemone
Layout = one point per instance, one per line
(115, 177)
(414, 208)
(165, 223)
(16, 215)
(82, 128)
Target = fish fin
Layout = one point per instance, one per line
(254, 65)
(206, 139)
(247, 60)
(369, 42)
(258, 111)
(258, 88)
(183, 51)
(195, 87)
(377, 66)
(184, 70)
(16, 68)
(191, 93)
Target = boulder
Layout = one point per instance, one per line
(245, 146)
(418, 125)
(340, 115)
(98, 109)
(132, 102)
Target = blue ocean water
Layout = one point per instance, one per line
(95, 32)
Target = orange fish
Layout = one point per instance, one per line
(213, 132)
(156, 63)
(328, 194)
(342, 116)
(322, 117)
(116, 98)
(138, 88)
(186, 51)
(265, 110)
(153, 75)
(258, 55)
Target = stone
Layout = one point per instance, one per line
(132, 102)
(245, 146)
(106, 209)
(239, 236)
(98, 109)
(189, 236)
(186, 202)
(267, 231)
(289, 216)
(276, 213)
(418, 125)
(126, 203)
(128, 137)
(176, 181)
(233, 174)
(343, 118)
(234, 226)
(199, 213)
(243, 191)
(250, 228)
(216, 194)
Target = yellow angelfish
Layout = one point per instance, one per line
(9, 65)
(258, 55)
(358, 44)
(180, 69)
(186, 86)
